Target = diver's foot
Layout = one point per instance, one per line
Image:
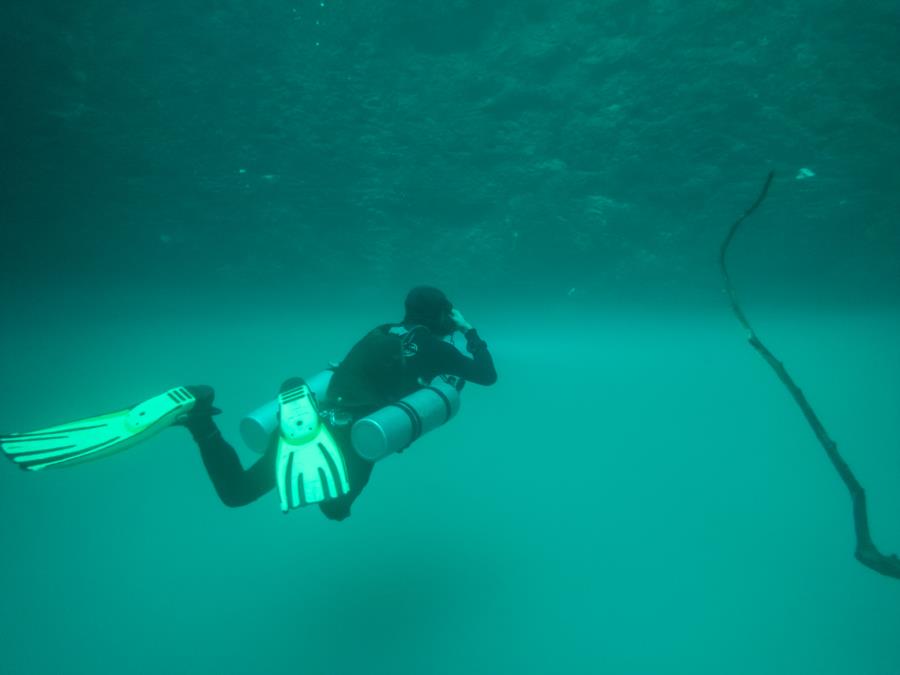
(203, 409)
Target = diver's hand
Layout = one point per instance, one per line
(460, 320)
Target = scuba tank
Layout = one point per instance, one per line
(386, 431)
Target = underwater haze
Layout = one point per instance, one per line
(234, 193)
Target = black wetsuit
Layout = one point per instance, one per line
(237, 486)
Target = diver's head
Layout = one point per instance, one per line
(429, 307)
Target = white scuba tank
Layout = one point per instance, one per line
(374, 436)
(394, 427)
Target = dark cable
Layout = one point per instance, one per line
(866, 551)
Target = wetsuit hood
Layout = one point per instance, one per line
(428, 306)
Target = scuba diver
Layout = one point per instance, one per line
(396, 383)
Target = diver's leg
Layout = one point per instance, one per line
(358, 470)
(234, 485)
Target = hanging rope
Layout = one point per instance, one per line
(866, 552)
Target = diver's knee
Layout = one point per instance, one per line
(232, 498)
(335, 511)
(231, 502)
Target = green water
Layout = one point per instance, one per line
(233, 192)
(637, 494)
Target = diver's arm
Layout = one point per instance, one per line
(482, 361)
(481, 366)
(447, 359)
